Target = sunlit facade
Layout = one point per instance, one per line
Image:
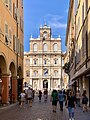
(43, 61)
(11, 49)
(80, 57)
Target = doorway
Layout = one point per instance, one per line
(45, 84)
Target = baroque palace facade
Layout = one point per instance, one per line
(42, 65)
(78, 45)
(11, 49)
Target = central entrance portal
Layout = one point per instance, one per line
(45, 84)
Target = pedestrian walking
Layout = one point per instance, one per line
(45, 95)
(71, 105)
(29, 96)
(26, 101)
(84, 101)
(40, 95)
(54, 99)
(22, 98)
(61, 99)
(0, 99)
(78, 98)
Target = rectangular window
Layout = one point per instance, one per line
(10, 36)
(27, 61)
(78, 24)
(22, 3)
(86, 6)
(6, 29)
(14, 43)
(86, 44)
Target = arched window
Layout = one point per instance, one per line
(35, 47)
(27, 73)
(35, 73)
(35, 61)
(27, 61)
(55, 61)
(55, 72)
(45, 61)
(55, 47)
(45, 47)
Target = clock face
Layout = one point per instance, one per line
(45, 34)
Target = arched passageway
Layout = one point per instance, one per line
(20, 80)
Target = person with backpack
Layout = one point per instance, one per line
(84, 101)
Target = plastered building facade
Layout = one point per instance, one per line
(11, 49)
(78, 45)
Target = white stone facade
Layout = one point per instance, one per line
(42, 64)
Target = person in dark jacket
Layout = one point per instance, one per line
(40, 95)
(61, 99)
(84, 101)
(71, 105)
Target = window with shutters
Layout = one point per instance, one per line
(10, 36)
(55, 47)
(10, 5)
(86, 6)
(14, 11)
(6, 29)
(14, 43)
(6, 2)
(6, 34)
(35, 47)
(45, 47)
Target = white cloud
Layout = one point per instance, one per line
(58, 25)
(55, 21)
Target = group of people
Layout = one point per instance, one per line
(26, 96)
(45, 95)
(71, 99)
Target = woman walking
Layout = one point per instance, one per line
(71, 105)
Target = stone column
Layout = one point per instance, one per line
(5, 89)
(14, 89)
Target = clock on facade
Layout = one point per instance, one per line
(44, 35)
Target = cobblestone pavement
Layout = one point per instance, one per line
(39, 111)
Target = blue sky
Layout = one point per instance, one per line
(51, 12)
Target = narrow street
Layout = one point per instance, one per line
(39, 111)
